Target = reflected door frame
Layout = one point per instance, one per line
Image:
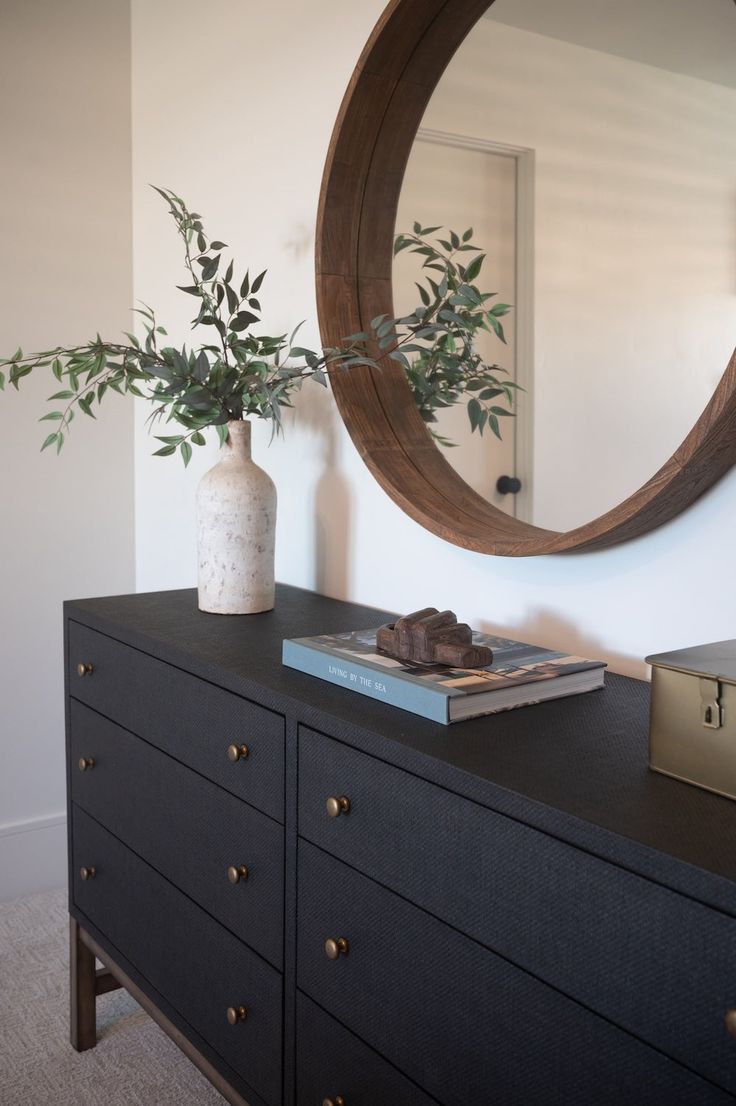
(523, 314)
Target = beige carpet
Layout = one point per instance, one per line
(134, 1063)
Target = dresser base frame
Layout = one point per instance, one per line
(86, 983)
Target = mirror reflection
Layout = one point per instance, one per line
(591, 147)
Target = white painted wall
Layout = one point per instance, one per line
(635, 239)
(271, 108)
(66, 524)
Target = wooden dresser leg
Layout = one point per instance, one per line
(82, 991)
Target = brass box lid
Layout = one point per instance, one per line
(716, 660)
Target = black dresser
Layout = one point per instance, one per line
(325, 900)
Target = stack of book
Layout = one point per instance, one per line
(519, 675)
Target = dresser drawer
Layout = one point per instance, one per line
(648, 959)
(198, 966)
(332, 1062)
(191, 719)
(463, 1023)
(185, 826)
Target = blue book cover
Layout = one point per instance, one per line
(520, 674)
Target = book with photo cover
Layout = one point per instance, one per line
(520, 674)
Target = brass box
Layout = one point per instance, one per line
(692, 721)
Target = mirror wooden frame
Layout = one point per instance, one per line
(393, 81)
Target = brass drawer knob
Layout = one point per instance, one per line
(236, 1014)
(85, 669)
(235, 874)
(338, 1100)
(86, 763)
(88, 873)
(337, 806)
(238, 752)
(730, 1020)
(335, 948)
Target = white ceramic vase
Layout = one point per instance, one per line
(236, 529)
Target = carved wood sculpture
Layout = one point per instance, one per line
(433, 637)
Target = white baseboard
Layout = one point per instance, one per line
(32, 856)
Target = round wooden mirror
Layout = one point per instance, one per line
(392, 84)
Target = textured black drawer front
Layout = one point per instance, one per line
(331, 1061)
(648, 959)
(191, 719)
(185, 826)
(198, 966)
(461, 1022)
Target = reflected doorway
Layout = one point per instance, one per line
(458, 181)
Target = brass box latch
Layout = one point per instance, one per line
(711, 711)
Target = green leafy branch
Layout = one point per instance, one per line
(236, 374)
(435, 345)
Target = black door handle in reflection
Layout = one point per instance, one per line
(508, 485)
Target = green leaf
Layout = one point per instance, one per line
(218, 245)
(209, 270)
(2, 381)
(245, 286)
(257, 282)
(232, 299)
(198, 438)
(49, 441)
(186, 452)
(66, 394)
(474, 413)
(201, 367)
(165, 451)
(474, 267)
(192, 289)
(243, 320)
(468, 234)
(498, 329)
(53, 416)
(423, 294)
(56, 368)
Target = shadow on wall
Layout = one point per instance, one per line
(545, 628)
(333, 507)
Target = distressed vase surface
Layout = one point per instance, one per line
(236, 530)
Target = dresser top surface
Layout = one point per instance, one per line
(576, 766)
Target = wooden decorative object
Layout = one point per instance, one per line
(433, 637)
(393, 81)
